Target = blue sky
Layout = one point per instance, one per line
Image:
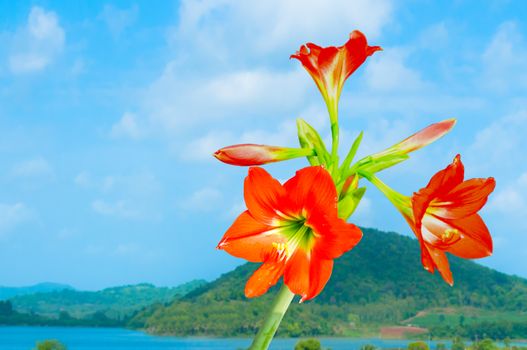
(110, 111)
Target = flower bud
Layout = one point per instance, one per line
(250, 154)
(310, 139)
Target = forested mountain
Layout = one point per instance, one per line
(380, 282)
(116, 302)
(10, 292)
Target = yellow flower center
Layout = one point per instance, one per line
(282, 248)
(450, 235)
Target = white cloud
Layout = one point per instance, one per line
(200, 85)
(120, 208)
(269, 25)
(388, 72)
(202, 148)
(38, 43)
(117, 19)
(379, 134)
(175, 103)
(502, 142)
(33, 168)
(140, 184)
(127, 126)
(67, 233)
(434, 37)
(511, 200)
(505, 60)
(83, 179)
(203, 200)
(12, 215)
(134, 196)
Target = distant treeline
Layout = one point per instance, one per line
(497, 330)
(8, 316)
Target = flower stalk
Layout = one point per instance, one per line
(266, 333)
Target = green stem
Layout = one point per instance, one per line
(400, 201)
(274, 317)
(334, 166)
(334, 135)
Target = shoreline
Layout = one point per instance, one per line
(513, 342)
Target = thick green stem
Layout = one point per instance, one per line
(274, 317)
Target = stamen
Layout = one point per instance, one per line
(450, 235)
(282, 248)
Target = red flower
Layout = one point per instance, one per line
(444, 218)
(249, 154)
(331, 66)
(293, 229)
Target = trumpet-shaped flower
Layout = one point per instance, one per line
(331, 66)
(293, 229)
(444, 217)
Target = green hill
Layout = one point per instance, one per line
(10, 292)
(115, 303)
(380, 282)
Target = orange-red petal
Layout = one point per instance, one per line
(262, 195)
(476, 241)
(445, 180)
(333, 236)
(465, 199)
(311, 189)
(441, 263)
(249, 239)
(356, 52)
(306, 274)
(264, 278)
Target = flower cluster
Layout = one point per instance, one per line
(296, 229)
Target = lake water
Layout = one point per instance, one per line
(24, 338)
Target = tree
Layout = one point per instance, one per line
(462, 320)
(51, 344)
(368, 347)
(418, 345)
(6, 308)
(458, 344)
(308, 344)
(441, 346)
(485, 344)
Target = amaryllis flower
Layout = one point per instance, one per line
(331, 66)
(293, 229)
(444, 217)
(250, 154)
